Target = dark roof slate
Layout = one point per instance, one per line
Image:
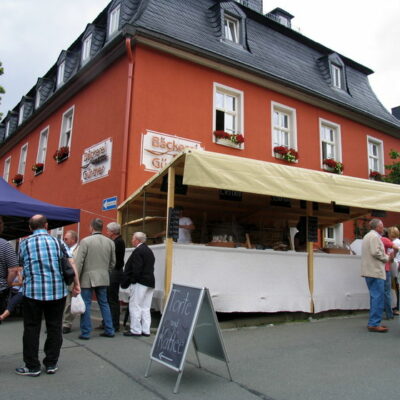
(273, 50)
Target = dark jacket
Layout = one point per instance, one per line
(139, 268)
(119, 253)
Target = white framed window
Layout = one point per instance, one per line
(113, 23)
(61, 73)
(87, 44)
(284, 126)
(330, 140)
(8, 127)
(66, 128)
(231, 29)
(6, 170)
(228, 109)
(336, 76)
(375, 155)
(42, 147)
(22, 159)
(37, 99)
(333, 235)
(21, 114)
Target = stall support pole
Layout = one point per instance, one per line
(310, 260)
(169, 244)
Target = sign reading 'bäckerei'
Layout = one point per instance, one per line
(158, 149)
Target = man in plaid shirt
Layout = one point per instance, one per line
(44, 294)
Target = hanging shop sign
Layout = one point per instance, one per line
(158, 149)
(96, 161)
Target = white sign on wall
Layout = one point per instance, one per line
(96, 161)
(158, 149)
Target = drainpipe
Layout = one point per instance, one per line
(128, 46)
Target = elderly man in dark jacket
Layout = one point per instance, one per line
(139, 277)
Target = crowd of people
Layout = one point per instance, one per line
(35, 280)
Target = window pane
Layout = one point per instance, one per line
(230, 103)
(276, 118)
(219, 99)
(229, 123)
(219, 120)
(285, 121)
(227, 31)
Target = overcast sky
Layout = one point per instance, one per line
(34, 32)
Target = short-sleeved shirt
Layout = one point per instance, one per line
(185, 236)
(39, 255)
(8, 259)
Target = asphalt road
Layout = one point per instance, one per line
(331, 358)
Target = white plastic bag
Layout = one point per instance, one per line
(124, 294)
(77, 305)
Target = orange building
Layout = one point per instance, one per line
(148, 78)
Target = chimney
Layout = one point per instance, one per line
(281, 16)
(396, 112)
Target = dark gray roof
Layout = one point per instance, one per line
(271, 49)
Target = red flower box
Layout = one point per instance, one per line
(18, 178)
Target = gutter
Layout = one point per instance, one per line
(128, 108)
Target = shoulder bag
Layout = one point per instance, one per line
(67, 271)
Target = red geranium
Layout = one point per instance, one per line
(288, 154)
(335, 165)
(233, 137)
(61, 153)
(18, 178)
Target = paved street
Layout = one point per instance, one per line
(331, 358)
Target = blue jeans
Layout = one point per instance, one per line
(376, 296)
(86, 322)
(388, 295)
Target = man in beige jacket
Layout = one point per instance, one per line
(373, 269)
(94, 261)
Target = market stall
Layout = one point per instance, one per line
(245, 212)
(16, 208)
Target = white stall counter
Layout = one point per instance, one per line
(249, 280)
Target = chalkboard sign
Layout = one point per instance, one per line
(173, 335)
(312, 229)
(188, 316)
(173, 223)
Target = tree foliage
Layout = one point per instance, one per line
(394, 169)
(2, 91)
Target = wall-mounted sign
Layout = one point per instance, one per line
(96, 161)
(110, 203)
(158, 149)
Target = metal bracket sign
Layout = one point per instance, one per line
(110, 203)
(188, 316)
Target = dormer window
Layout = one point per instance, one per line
(60, 74)
(231, 29)
(8, 127)
(87, 44)
(336, 76)
(37, 99)
(21, 114)
(114, 20)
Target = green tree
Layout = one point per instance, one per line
(394, 175)
(2, 91)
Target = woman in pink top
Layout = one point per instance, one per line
(389, 248)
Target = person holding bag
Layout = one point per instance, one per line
(44, 294)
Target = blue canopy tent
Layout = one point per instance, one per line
(16, 208)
